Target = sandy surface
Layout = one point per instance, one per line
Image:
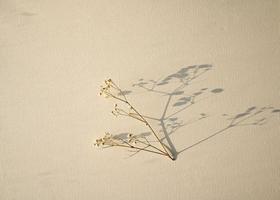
(54, 56)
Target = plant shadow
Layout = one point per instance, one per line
(177, 99)
(252, 116)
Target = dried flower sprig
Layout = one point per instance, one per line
(139, 143)
(131, 141)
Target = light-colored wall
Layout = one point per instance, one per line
(54, 56)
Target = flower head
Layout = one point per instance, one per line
(105, 140)
(105, 90)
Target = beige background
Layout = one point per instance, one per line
(54, 56)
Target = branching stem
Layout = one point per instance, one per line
(166, 152)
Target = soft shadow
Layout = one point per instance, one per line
(252, 116)
(177, 99)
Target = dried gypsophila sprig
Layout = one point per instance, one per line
(112, 90)
(131, 142)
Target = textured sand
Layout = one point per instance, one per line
(54, 56)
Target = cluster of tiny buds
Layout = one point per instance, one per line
(131, 138)
(119, 111)
(111, 140)
(108, 82)
(106, 140)
(115, 111)
(105, 89)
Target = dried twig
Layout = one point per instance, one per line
(131, 141)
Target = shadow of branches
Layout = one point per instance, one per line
(252, 116)
(177, 99)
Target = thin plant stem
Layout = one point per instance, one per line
(120, 96)
(150, 145)
(143, 119)
(141, 149)
(154, 133)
